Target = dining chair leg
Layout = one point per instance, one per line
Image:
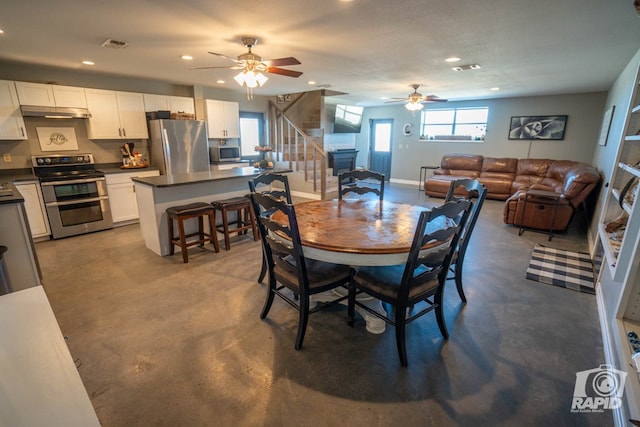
(351, 303)
(400, 320)
(302, 323)
(263, 269)
(270, 295)
(437, 299)
(458, 277)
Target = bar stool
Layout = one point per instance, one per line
(244, 217)
(181, 213)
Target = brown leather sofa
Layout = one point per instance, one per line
(509, 179)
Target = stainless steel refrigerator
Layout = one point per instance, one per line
(178, 146)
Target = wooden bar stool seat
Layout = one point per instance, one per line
(182, 213)
(244, 217)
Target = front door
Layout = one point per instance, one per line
(380, 146)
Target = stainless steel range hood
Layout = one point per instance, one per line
(54, 112)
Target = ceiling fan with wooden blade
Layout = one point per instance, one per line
(416, 97)
(249, 61)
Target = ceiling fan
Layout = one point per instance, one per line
(253, 66)
(415, 99)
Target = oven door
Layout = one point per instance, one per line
(77, 206)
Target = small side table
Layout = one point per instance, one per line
(551, 195)
(423, 175)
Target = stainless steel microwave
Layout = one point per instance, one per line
(224, 153)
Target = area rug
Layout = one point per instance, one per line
(571, 270)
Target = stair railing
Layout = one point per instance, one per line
(286, 139)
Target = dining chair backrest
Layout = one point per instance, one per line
(267, 179)
(280, 242)
(353, 181)
(440, 229)
(473, 189)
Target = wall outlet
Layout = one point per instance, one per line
(6, 158)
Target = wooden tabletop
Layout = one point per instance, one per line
(357, 231)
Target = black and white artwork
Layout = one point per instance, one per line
(537, 127)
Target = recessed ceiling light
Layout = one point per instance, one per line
(453, 59)
(1, 31)
(88, 63)
(311, 82)
(384, 97)
(187, 57)
(495, 88)
(220, 81)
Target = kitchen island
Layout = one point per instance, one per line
(21, 260)
(155, 194)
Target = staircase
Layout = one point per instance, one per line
(301, 149)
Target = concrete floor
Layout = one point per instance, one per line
(159, 342)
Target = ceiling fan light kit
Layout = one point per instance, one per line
(253, 66)
(414, 106)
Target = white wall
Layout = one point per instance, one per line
(583, 126)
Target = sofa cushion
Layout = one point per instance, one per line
(462, 164)
(497, 188)
(500, 165)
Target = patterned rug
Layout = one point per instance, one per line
(571, 270)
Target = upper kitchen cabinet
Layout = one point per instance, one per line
(69, 96)
(175, 104)
(35, 94)
(116, 115)
(50, 95)
(223, 119)
(11, 122)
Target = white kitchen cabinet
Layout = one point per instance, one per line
(116, 115)
(36, 211)
(50, 95)
(618, 286)
(11, 122)
(223, 119)
(69, 96)
(154, 102)
(182, 104)
(35, 94)
(122, 195)
(175, 104)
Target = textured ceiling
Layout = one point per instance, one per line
(365, 48)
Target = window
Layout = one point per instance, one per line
(251, 134)
(457, 124)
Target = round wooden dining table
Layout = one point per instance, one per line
(357, 232)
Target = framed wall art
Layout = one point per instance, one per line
(57, 139)
(606, 125)
(537, 127)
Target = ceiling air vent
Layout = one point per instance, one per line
(114, 44)
(466, 67)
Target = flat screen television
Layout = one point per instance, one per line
(348, 119)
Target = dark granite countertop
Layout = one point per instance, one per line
(197, 177)
(5, 196)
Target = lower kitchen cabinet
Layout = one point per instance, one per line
(122, 195)
(36, 211)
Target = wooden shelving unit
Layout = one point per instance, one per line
(619, 283)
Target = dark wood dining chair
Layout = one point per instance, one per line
(421, 279)
(288, 268)
(282, 192)
(361, 182)
(467, 189)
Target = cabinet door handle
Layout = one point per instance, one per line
(22, 131)
(120, 132)
(124, 132)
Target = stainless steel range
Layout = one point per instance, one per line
(74, 193)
